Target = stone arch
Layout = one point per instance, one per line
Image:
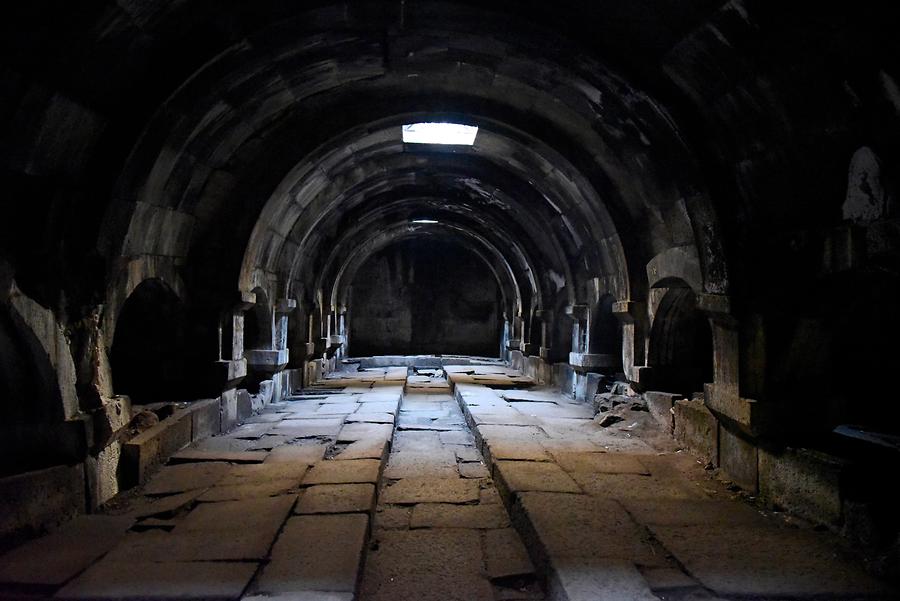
(149, 358)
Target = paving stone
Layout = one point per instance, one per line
(489, 495)
(392, 517)
(379, 407)
(236, 492)
(238, 544)
(431, 490)
(221, 443)
(309, 428)
(154, 506)
(298, 453)
(55, 558)
(416, 441)
(188, 476)
(426, 565)
(466, 454)
(571, 526)
(264, 472)
(494, 433)
(553, 445)
(589, 580)
(344, 472)
(268, 442)
(337, 498)
(505, 555)
(371, 418)
(364, 431)
(549, 409)
(364, 449)
(316, 553)
(517, 451)
(193, 455)
(442, 515)
(603, 463)
(431, 464)
(460, 437)
(264, 418)
(262, 514)
(111, 579)
(633, 486)
(473, 470)
(520, 476)
(749, 561)
(694, 512)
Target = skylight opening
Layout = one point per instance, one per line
(424, 221)
(455, 134)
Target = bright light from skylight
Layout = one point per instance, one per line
(424, 221)
(440, 133)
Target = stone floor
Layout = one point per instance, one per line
(361, 490)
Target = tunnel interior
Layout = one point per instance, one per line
(424, 297)
(683, 210)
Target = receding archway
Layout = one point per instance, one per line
(681, 348)
(149, 358)
(424, 297)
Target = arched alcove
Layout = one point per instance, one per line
(258, 323)
(606, 332)
(149, 355)
(681, 348)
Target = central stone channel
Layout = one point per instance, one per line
(441, 531)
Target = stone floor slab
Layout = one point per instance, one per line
(111, 579)
(194, 455)
(344, 472)
(441, 515)
(505, 555)
(237, 492)
(187, 476)
(431, 490)
(521, 476)
(55, 558)
(365, 431)
(316, 553)
(297, 453)
(430, 464)
(426, 565)
(600, 463)
(364, 449)
(473, 470)
(591, 580)
(337, 498)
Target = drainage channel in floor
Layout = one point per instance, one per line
(441, 531)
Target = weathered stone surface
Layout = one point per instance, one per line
(633, 486)
(344, 472)
(364, 449)
(431, 490)
(693, 512)
(365, 431)
(263, 514)
(805, 482)
(748, 561)
(316, 553)
(429, 464)
(516, 450)
(154, 506)
(309, 428)
(187, 476)
(581, 527)
(505, 555)
(667, 579)
(603, 463)
(467, 454)
(337, 498)
(738, 459)
(520, 476)
(416, 441)
(32, 500)
(473, 470)
(302, 596)
(371, 418)
(459, 437)
(110, 579)
(392, 517)
(235, 492)
(264, 472)
(550, 409)
(426, 565)
(696, 428)
(53, 559)
(494, 433)
(590, 579)
(297, 453)
(441, 515)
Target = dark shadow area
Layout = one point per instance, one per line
(149, 355)
(424, 297)
(681, 351)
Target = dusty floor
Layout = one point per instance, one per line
(359, 489)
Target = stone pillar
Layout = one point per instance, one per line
(633, 316)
